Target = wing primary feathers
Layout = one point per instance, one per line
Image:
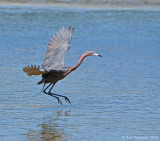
(57, 47)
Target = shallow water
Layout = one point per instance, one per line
(113, 98)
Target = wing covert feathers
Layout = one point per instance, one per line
(33, 70)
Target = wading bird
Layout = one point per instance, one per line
(52, 68)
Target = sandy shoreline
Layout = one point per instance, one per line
(106, 6)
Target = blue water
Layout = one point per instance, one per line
(114, 98)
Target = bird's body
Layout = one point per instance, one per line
(53, 68)
(52, 77)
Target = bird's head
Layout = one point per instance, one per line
(91, 53)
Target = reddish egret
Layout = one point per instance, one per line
(53, 68)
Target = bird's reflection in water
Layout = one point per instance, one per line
(49, 130)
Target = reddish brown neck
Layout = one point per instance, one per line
(77, 65)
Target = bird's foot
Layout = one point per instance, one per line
(59, 101)
(67, 99)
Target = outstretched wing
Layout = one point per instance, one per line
(33, 70)
(58, 45)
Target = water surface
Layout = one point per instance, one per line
(112, 97)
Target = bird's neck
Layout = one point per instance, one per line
(78, 63)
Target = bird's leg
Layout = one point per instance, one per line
(42, 88)
(66, 98)
(51, 93)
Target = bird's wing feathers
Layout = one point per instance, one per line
(58, 45)
(33, 70)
